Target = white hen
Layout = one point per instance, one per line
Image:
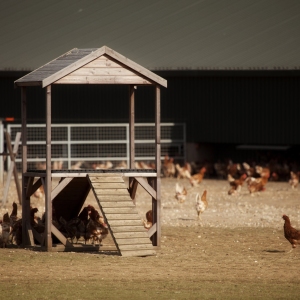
(180, 193)
(201, 204)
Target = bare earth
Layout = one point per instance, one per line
(237, 251)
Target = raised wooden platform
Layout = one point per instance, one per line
(114, 197)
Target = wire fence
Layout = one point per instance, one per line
(97, 145)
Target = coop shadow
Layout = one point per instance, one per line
(273, 251)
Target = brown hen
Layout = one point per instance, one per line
(290, 233)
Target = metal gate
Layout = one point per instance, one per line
(89, 145)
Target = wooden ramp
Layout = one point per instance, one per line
(123, 220)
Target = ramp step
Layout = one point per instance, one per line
(114, 198)
(122, 228)
(117, 204)
(131, 234)
(106, 179)
(124, 221)
(138, 253)
(131, 216)
(108, 185)
(111, 191)
(136, 241)
(120, 210)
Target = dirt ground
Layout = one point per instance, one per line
(237, 251)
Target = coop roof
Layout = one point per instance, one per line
(91, 66)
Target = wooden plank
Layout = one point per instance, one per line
(60, 236)
(124, 60)
(35, 186)
(60, 187)
(140, 174)
(156, 205)
(131, 127)
(103, 62)
(103, 80)
(122, 228)
(28, 188)
(120, 210)
(109, 185)
(104, 175)
(113, 223)
(48, 186)
(105, 179)
(133, 188)
(109, 198)
(24, 131)
(24, 164)
(25, 83)
(111, 191)
(119, 71)
(111, 217)
(152, 230)
(131, 234)
(8, 180)
(133, 241)
(136, 247)
(118, 204)
(146, 186)
(138, 253)
(12, 169)
(30, 234)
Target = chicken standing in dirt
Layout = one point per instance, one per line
(290, 233)
(201, 204)
(236, 184)
(180, 193)
(294, 180)
(197, 178)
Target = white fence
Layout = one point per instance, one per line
(99, 143)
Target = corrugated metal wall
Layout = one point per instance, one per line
(217, 107)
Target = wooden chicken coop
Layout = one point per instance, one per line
(115, 198)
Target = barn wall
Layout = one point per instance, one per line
(251, 109)
(218, 107)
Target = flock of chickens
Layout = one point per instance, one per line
(89, 225)
(255, 178)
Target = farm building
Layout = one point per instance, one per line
(233, 68)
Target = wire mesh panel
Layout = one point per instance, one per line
(172, 141)
(92, 146)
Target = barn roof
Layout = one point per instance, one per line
(91, 66)
(159, 35)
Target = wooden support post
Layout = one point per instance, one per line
(156, 204)
(48, 239)
(131, 127)
(25, 181)
(26, 192)
(131, 132)
(132, 189)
